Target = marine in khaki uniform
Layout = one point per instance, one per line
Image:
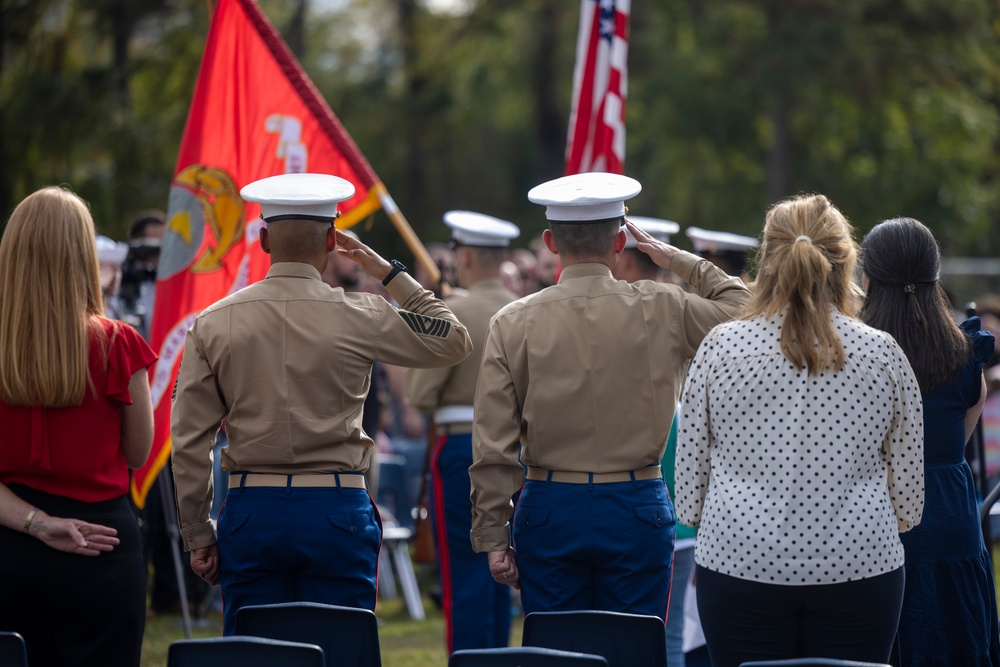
(477, 609)
(286, 361)
(580, 381)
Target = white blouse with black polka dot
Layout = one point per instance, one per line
(795, 478)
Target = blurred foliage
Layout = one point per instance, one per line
(889, 107)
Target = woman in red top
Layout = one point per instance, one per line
(75, 416)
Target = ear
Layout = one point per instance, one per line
(265, 240)
(550, 241)
(331, 239)
(620, 240)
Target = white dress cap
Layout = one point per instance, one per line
(110, 252)
(704, 240)
(477, 229)
(655, 227)
(298, 196)
(585, 197)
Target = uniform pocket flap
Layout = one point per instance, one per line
(656, 515)
(353, 524)
(234, 521)
(530, 517)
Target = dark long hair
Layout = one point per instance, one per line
(905, 299)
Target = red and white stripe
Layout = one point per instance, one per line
(596, 139)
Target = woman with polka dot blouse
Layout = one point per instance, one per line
(949, 616)
(800, 457)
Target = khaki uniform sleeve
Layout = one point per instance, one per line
(719, 297)
(903, 447)
(196, 416)
(495, 473)
(692, 467)
(423, 333)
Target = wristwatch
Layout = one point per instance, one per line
(397, 266)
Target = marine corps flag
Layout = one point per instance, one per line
(255, 113)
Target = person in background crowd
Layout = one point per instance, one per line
(476, 608)
(988, 309)
(138, 287)
(287, 362)
(72, 580)
(527, 264)
(444, 259)
(633, 264)
(567, 371)
(729, 252)
(800, 458)
(949, 616)
(546, 265)
(110, 255)
(511, 278)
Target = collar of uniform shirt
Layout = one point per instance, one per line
(586, 270)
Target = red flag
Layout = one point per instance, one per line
(600, 81)
(255, 113)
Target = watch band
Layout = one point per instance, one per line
(397, 267)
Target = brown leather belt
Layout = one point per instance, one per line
(326, 480)
(569, 477)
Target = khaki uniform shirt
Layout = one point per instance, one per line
(428, 390)
(586, 374)
(287, 361)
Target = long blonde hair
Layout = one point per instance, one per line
(50, 299)
(805, 265)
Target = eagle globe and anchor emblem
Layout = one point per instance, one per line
(201, 197)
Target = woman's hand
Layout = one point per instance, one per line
(73, 535)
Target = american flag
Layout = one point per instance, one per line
(600, 81)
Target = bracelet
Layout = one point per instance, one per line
(28, 519)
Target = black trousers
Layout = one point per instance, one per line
(75, 610)
(747, 620)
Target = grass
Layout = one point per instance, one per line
(404, 642)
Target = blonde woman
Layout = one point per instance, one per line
(76, 416)
(800, 457)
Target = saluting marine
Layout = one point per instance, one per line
(579, 382)
(287, 361)
(477, 609)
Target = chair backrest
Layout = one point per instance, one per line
(348, 633)
(243, 652)
(13, 651)
(812, 662)
(394, 490)
(624, 640)
(523, 656)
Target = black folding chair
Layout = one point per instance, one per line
(523, 656)
(243, 652)
(812, 662)
(624, 640)
(13, 652)
(348, 633)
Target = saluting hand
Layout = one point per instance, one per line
(504, 568)
(661, 253)
(367, 259)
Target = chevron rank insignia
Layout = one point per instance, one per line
(425, 325)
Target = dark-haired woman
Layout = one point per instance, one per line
(949, 616)
(800, 457)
